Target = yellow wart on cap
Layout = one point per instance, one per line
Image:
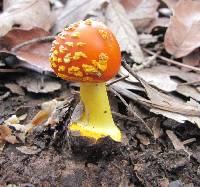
(62, 49)
(55, 52)
(69, 44)
(61, 68)
(102, 63)
(78, 55)
(59, 60)
(80, 44)
(75, 71)
(75, 35)
(91, 70)
(103, 33)
(88, 22)
(53, 64)
(67, 57)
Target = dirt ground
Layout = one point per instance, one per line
(140, 161)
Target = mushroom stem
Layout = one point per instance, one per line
(96, 121)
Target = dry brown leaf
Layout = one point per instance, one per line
(169, 103)
(158, 22)
(31, 150)
(75, 11)
(188, 91)
(143, 139)
(193, 59)
(154, 77)
(15, 88)
(36, 55)
(170, 3)
(117, 19)
(178, 145)
(27, 14)
(156, 74)
(145, 39)
(39, 84)
(141, 12)
(6, 134)
(182, 35)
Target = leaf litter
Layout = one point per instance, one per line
(161, 88)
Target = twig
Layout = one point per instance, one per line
(134, 113)
(173, 61)
(185, 142)
(178, 145)
(148, 63)
(117, 80)
(30, 42)
(189, 83)
(124, 117)
(11, 70)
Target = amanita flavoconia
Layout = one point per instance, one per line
(88, 52)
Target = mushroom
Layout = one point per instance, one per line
(88, 52)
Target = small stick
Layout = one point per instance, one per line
(173, 61)
(124, 117)
(126, 104)
(30, 42)
(117, 80)
(11, 70)
(189, 83)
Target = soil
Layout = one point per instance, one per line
(72, 162)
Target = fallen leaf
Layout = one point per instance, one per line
(117, 19)
(156, 74)
(39, 84)
(164, 182)
(43, 115)
(143, 139)
(182, 35)
(141, 12)
(15, 88)
(6, 134)
(34, 56)
(27, 14)
(31, 150)
(178, 145)
(188, 91)
(154, 77)
(154, 124)
(158, 22)
(193, 59)
(171, 3)
(145, 39)
(75, 11)
(167, 105)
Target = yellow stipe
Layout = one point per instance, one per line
(96, 121)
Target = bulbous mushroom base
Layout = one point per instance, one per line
(91, 131)
(96, 121)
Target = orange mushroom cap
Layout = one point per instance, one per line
(86, 51)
